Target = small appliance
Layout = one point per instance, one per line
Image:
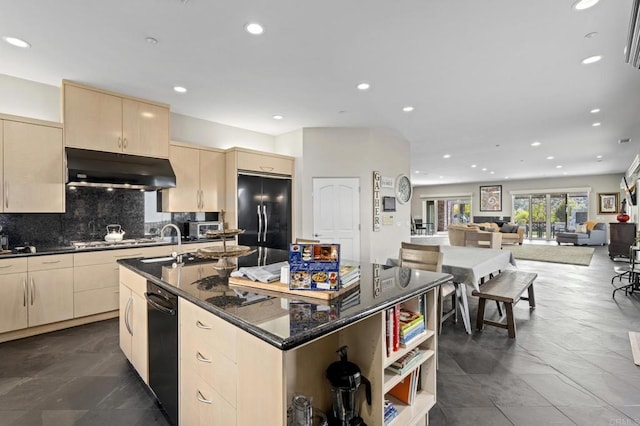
(195, 230)
(346, 378)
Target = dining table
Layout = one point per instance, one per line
(470, 266)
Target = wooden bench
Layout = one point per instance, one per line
(506, 287)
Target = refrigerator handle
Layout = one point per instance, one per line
(266, 222)
(259, 223)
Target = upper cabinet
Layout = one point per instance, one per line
(200, 180)
(103, 121)
(32, 164)
(263, 162)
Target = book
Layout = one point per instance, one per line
(405, 390)
(409, 319)
(390, 412)
(389, 332)
(408, 327)
(396, 328)
(412, 363)
(405, 340)
(406, 358)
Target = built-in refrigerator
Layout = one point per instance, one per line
(264, 211)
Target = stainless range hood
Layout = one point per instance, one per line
(111, 170)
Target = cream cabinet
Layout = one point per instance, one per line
(32, 164)
(208, 369)
(50, 289)
(133, 321)
(95, 278)
(200, 180)
(103, 121)
(14, 295)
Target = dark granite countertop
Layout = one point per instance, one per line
(285, 321)
(43, 251)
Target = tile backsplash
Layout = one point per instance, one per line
(88, 212)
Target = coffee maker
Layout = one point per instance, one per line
(345, 378)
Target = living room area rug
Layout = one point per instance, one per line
(572, 255)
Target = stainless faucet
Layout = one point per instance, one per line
(177, 255)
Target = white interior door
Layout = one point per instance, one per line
(336, 214)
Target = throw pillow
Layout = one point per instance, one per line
(590, 224)
(508, 228)
(582, 228)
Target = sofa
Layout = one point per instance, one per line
(511, 234)
(591, 233)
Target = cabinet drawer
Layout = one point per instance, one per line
(56, 261)
(202, 326)
(135, 282)
(11, 266)
(200, 404)
(209, 363)
(264, 163)
(111, 256)
(93, 277)
(95, 301)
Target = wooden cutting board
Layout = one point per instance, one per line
(5, 252)
(279, 287)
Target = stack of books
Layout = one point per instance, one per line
(349, 274)
(406, 390)
(407, 362)
(390, 412)
(411, 325)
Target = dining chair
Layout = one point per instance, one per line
(631, 271)
(429, 257)
(483, 239)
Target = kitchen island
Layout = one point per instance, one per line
(243, 353)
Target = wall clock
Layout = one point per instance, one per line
(404, 190)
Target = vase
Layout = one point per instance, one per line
(622, 217)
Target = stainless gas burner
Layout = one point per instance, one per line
(78, 245)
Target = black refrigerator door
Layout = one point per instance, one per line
(249, 205)
(276, 205)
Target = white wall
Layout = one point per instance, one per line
(29, 99)
(357, 152)
(291, 144)
(596, 183)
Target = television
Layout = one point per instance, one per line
(388, 204)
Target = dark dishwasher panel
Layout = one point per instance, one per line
(162, 315)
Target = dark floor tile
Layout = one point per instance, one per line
(561, 391)
(80, 393)
(455, 391)
(535, 416)
(7, 417)
(31, 392)
(477, 416)
(597, 416)
(509, 390)
(133, 417)
(49, 418)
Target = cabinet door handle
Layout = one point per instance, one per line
(201, 358)
(119, 142)
(266, 168)
(6, 194)
(127, 310)
(128, 255)
(33, 291)
(202, 325)
(24, 292)
(124, 143)
(201, 398)
(50, 262)
(5, 266)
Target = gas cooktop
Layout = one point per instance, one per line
(128, 242)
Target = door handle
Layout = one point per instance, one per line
(50, 262)
(266, 222)
(202, 325)
(6, 194)
(127, 311)
(33, 291)
(201, 398)
(259, 223)
(119, 142)
(124, 143)
(24, 292)
(201, 358)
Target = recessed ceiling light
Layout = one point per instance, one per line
(584, 4)
(446, 156)
(595, 111)
(492, 172)
(596, 124)
(278, 117)
(363, 86)
(591, 34)
(558, 166)
(180, 89)
(408, 108)
(591, 59)
(506, 177)
(254, 28)
(598, 156)
(151, 40)
(484, 169)
(473, 166)
(417, 171)
(551, 157)
(18, 42)
(536, 143)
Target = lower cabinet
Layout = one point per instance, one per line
(133, 321)
(13, 300)
(208, 369)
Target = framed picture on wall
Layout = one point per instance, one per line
(608, 202)
(491, 198)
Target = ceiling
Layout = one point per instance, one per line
(486, 78)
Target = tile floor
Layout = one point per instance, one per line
(570, 364)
